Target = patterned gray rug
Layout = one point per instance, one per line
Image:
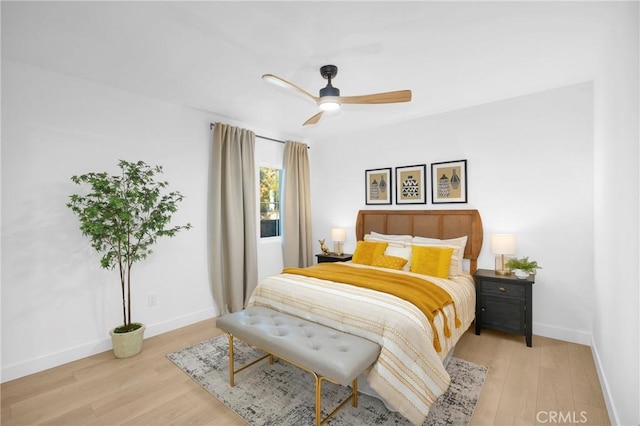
(281, 394)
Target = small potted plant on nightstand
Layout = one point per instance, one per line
(123, 216)
(523, 267)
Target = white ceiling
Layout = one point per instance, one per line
(210, 55)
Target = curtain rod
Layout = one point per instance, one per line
(258, 136)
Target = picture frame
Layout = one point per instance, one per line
(411, 184)
(449, 182)
(378, 186)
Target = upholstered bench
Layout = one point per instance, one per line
(326, 353)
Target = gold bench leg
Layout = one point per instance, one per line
(232, 370)
(318, 399)
(231, 367)
(353, 397)
(354, 387)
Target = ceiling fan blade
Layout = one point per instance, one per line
(378, 98)
(314, 119)
(278, 81)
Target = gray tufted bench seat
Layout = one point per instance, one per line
(326, 353)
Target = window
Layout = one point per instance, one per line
(269, 202)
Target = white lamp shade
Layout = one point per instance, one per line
(503, 244)
(338, 235)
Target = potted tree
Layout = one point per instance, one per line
(123, 216)
(522, 267)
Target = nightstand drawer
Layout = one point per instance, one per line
(503, 289)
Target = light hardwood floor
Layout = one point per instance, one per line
(522, 384)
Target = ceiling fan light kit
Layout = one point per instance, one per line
(330, 99)
(329, 103)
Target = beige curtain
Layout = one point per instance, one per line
(296, 206)
(233, 248)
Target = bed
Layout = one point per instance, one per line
(409, 374)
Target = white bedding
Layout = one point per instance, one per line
(409, 374)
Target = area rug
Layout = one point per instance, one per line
(281, 394)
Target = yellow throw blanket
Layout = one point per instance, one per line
(425, 295)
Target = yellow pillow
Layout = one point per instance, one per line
(432, 261)
(455, 267)
(367, 251)
(389, 262)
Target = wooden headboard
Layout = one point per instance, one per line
(442, 224)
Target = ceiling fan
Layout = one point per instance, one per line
(330, 99)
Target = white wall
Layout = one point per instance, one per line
(616, 331)
(530, 172)
(57, 304)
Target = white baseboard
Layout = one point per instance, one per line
(163, 327)
(604, 385)
(582, 338)
(567, 335)
(35, 365)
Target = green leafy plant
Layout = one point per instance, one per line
(123, 216)
(523, 264)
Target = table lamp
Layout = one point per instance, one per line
(502, 244)
(338, 236)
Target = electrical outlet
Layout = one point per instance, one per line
(152, 300)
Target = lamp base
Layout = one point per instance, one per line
(337, 248)
(500, 268)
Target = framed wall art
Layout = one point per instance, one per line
(449, 182)
(378, 186)
(411, 184)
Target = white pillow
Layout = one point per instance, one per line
(460, 241)
(403, 252)
(458, 244)
(395, 240)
